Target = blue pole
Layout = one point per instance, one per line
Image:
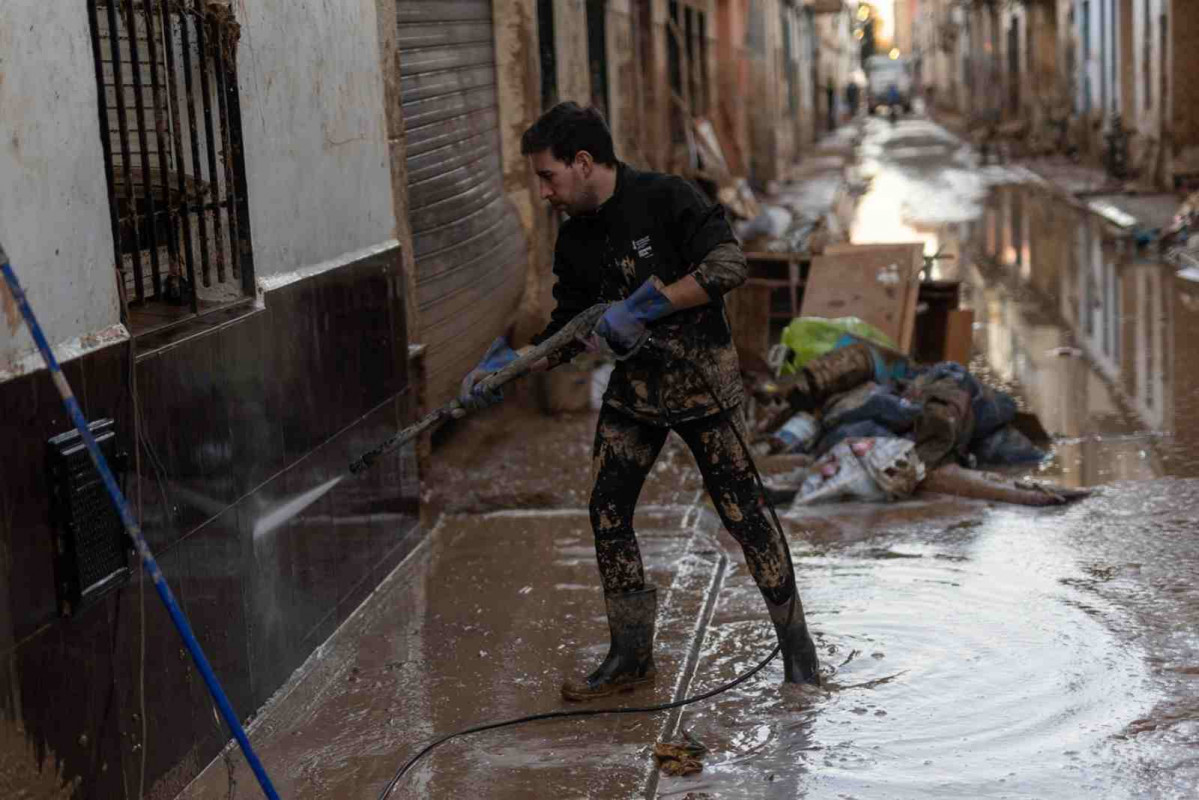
(135, 532)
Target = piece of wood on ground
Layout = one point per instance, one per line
(877, 283)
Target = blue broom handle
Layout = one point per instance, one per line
(134, 531)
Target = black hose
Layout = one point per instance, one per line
(596, 712)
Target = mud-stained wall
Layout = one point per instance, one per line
(1145, 115)
(624, 79)
(1046, 93)
(844, 55)
(317, 161)
(518, 68)
(1014, 83)
(763, 47)
(1184, 65)
(1182, 388)
(240, 414)
(389, 69)
(651, 30)
(731, 71)
(54, 219)
(807, 80)
(570, 35)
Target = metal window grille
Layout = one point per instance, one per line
(170, 126)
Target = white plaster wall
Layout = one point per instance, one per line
(54, 218)
(315, 134)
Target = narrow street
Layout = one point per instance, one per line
(267, 531)
(971, 649)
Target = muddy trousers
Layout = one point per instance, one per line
(625, 451)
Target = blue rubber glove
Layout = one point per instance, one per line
(623, 325)
(498, 356)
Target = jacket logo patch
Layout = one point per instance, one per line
(643, 247)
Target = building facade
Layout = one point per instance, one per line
(1079, 73)
(262, 237)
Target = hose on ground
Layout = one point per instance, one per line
(596, 712)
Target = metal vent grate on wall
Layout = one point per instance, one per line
(91, 548)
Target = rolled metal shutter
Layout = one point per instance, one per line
(468, 244)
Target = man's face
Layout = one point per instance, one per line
(564, 185)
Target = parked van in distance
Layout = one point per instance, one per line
(883, 73)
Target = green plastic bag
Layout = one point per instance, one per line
(812, 337)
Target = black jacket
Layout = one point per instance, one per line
(655, 225)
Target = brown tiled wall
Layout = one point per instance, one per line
(270, 404)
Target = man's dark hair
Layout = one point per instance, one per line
(566, 129)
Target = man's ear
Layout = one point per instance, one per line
(585, 162)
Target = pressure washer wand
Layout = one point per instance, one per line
(577, 328)
(134, 530)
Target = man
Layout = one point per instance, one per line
(664, 257)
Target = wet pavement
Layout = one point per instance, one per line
(972, 650)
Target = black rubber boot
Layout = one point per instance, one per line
(800, 663)
(630, 659)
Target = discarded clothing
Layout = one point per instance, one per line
(991, 409)
(946, 424)
(875, 403)
(1006, 446)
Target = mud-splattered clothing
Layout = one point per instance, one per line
(655, 225)
(625, 450)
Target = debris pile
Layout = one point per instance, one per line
(798, 217)
(877, 428)
(680, 757)
(1180, 240)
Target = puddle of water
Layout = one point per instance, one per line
(1092, 333)
(971, 660)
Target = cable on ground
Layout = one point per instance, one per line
(596, 712)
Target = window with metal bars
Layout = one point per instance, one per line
(170, 126)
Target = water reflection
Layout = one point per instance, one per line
(1086, 326)
(1092, 330)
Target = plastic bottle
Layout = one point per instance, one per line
(797, 435)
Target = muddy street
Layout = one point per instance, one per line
(992, 651)
(970, 649)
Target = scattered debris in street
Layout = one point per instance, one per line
(680, 757)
